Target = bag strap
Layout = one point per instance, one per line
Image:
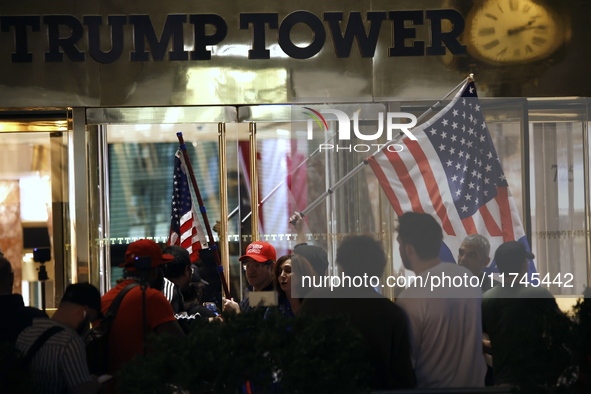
(112, 311)
(40, 342)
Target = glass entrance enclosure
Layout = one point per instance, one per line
(88, 181)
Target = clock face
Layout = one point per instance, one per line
(513, 31)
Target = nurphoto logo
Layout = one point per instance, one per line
(344, 129)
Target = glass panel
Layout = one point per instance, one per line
(558, 204)
(141, 165)
(557, 195)
(294, 172)
(33, 209)
(278, 156)
(239, 206)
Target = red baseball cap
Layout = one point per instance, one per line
(261, 251)
(145, 248)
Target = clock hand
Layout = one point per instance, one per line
(527, 26)
(518, 30)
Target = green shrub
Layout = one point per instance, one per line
(275, 355)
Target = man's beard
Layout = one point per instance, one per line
(83, 326)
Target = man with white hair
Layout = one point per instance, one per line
(474, 254)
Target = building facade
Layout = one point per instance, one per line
(93, 94)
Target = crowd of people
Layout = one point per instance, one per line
(443, 337)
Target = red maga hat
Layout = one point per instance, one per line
(145, 248)
(261, 251)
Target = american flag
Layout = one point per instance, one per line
(452, 172)
(185, 228)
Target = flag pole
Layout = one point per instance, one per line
(360, 166)
(280, 183)
(212, 245)
(291, 174)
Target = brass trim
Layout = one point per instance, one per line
(223, 230)
(60, 168)
(524, 135)
(13, 126)
(587, 196)
(93, 199)
(254, 180)
(161, 115)
(79, 204)
(32, 110)
(104, 220)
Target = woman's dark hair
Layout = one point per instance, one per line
(277, 272)
(301, 267)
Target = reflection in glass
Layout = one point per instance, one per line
(558, 206)
(140, 180)
(26, 209)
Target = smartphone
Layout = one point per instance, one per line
(212, 307)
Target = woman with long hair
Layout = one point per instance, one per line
(289, 271)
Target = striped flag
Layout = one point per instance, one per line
(452, 172)
(185, 228)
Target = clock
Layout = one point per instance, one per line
(506, 32)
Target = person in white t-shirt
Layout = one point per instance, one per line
(444, 313)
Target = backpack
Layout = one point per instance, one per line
(15, 375)
(96, 339)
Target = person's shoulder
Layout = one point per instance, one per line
(152, 295)
(494, 292)
(486, 284)
(535, 292)
(413, 298)
(453, 268)
(37, 325)
(322, 292)
(409, 292)
(14, 305)
(11, 302)
(385, 306)
(34, 313)
(112, 293)
(501, 291)
(41, 324)
(338, 293)
(319, 300)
